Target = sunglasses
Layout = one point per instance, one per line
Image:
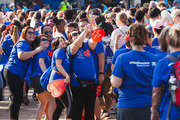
(44, 39)
(75, 33)
(31, 33)
(46, 32)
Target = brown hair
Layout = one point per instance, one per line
(14, 33)
(38, 39)
(162, 39)
(174, 36)
(122, 17)
(139, 35)
(55, 43)
(23, 36)
(22, 14)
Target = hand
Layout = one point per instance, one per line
(117, 37)
(101, 78)
(154, 116)
(87, 28)
(40, 48)
(67, 80)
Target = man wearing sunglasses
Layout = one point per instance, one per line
(47, 30)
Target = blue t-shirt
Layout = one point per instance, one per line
(36, 7)
(136, 69)
(59, 54)
(24, 9)
(161, 77)
(15, 65)
(155, 43)
(36, 70)
(151, 50)
(161, 55)
(7, 46)
(6, 23)
(82, 64)
(118, 52)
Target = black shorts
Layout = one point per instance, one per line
(35, 82)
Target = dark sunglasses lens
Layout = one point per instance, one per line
(44, 39)
(50, 32)
(76, 33)
(29, 32)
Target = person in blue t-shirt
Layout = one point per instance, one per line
(61, 68)
(157, 27)
(83, 70)
(47, 30)
(41, 62)
(132, 75)
(16, 68)
(161, 96)
(10, 40)
(35, 6)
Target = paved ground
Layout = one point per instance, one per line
(26, 112)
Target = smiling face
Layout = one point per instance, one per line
(30, 35)
(47, 30)
(44, 42)
(62, 43)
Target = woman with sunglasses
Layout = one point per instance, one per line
(83, 69)
(41, 62)
(16, 68)
(61, 68)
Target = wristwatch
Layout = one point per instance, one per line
(154, 111)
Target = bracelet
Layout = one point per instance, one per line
(153, 111)
(101, 72)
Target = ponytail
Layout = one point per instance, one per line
(14, 34)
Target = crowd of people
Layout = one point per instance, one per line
(129, 64)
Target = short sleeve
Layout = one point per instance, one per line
(68, 50)
(23, 46)
(99, 48)
(42, 54)
(118, 67)
(60, 54)
(114, 57)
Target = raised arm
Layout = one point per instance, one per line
(78, 42)
(92, 44)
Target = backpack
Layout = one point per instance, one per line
(109, 56)
(44, 80)
(174, 81)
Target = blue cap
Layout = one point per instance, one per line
(2, 4)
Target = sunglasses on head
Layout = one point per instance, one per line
(31, 33)
(44, 39)
(46, 32)
(76, 33)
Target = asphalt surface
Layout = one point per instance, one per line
(27, 112)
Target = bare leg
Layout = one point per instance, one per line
(42, 105)
(97, 109)
(51, 107)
